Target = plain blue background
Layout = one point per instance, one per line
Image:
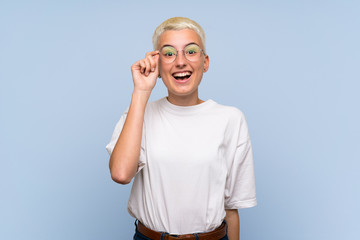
(291, 66)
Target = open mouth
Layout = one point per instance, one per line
(182, 75)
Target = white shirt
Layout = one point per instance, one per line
(195, 162)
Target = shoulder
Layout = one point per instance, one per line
(232, 113)
(150, 106)
(237, 126)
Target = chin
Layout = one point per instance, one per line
(182, 92)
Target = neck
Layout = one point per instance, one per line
(188, 100)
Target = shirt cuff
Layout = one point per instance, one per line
(242, 204)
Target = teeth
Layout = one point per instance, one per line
(183, 74)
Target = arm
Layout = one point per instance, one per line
(232, 219)
(124, 159)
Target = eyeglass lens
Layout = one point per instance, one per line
(192, 53)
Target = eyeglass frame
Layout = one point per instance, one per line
(183, 51)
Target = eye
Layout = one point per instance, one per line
(168, 51)
(192, 49)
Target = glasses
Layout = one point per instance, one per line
(192, 52)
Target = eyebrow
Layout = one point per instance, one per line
(168, 45)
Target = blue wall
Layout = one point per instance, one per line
(291, 66)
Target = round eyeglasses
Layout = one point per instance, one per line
(192, 52)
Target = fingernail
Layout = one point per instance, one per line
(147, 74)
(153, 69)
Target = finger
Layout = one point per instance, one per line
(152, 53)
(151, 56)
(156, 59)
(135, 66)
(142, 65)
(152, 63)
(148, 67)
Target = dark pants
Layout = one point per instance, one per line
(139, 236)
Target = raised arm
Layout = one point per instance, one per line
(125, 156)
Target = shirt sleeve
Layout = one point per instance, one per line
(240, 189)
(118, 128)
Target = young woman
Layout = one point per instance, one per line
(191, 159)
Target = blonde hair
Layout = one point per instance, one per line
(178, 23)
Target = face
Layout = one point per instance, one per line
(182, 77)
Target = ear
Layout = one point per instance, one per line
(206, 63)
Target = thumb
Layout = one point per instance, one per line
(156, 58)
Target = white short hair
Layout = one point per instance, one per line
(178, 23)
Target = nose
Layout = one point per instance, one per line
(180, 60)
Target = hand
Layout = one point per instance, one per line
(145, 72)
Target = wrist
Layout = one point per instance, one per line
(140, 92)
(140, 96)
